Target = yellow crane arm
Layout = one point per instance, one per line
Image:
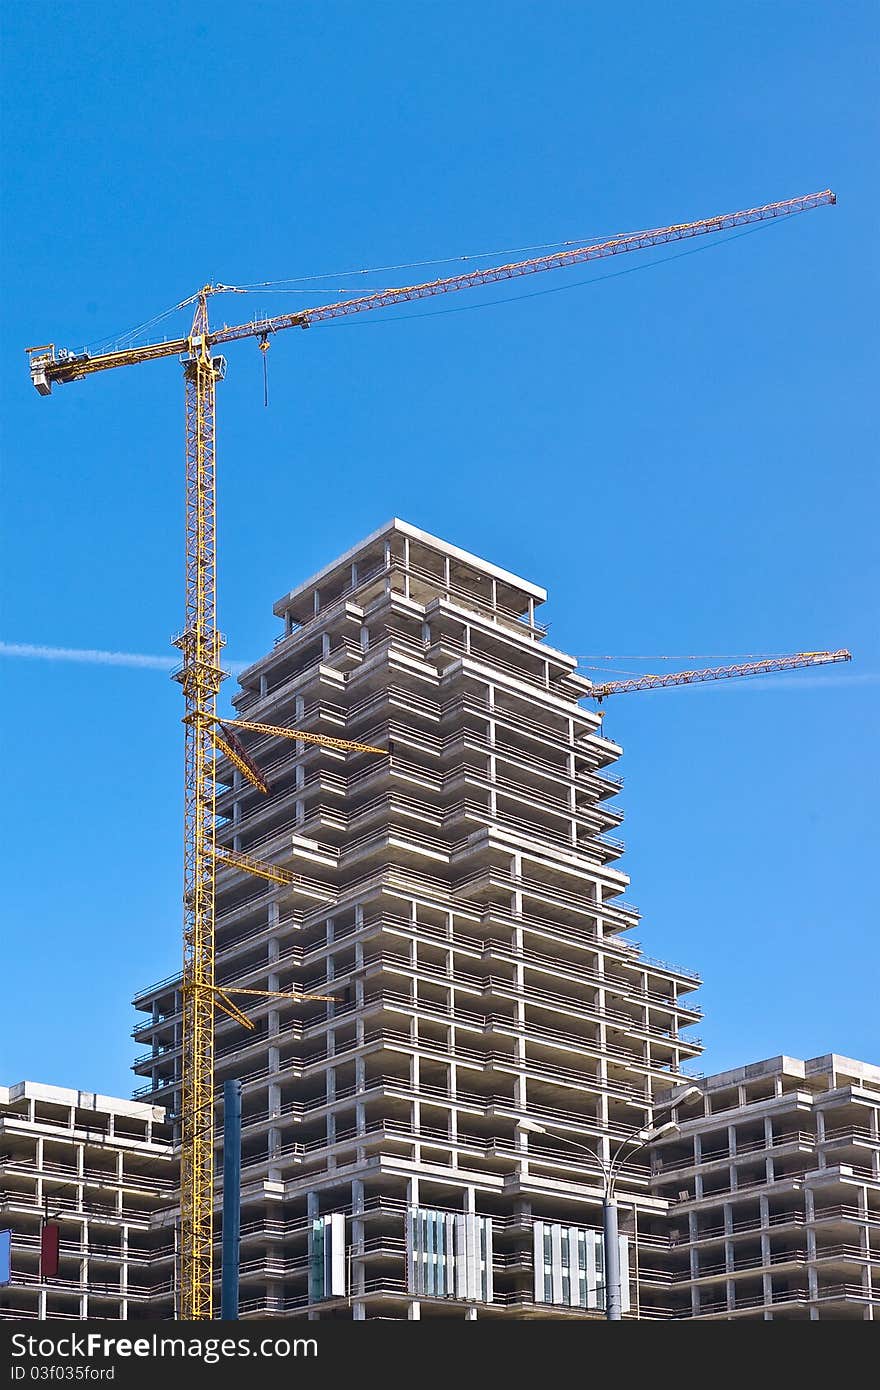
(50, 366)
(231, 749)
(229, 1007)
(559, 260)
(295, 994)
(272, 873)
(324, 740)
(720, 673)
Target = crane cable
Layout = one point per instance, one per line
(126, 338)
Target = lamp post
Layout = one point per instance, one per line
(630, 1144)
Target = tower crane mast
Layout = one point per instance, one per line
(201, 672)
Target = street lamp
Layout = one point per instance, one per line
(637, 1139)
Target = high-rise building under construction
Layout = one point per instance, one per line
(430, 1139)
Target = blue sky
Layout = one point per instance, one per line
(685, 456)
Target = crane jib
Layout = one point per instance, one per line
(49, 366)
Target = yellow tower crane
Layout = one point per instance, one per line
(201, 672)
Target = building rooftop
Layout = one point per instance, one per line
(515, 588)
(81, 1100)
(831, 1064)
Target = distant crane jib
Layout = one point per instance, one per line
(718, 673)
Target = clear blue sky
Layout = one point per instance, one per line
(685, 456)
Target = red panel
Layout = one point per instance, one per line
(49, 1238)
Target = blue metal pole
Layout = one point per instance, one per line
(611, 1241)
(231, 1198)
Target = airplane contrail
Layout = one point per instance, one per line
(93, 656)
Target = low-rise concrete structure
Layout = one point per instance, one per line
(103, 1170)
(774, 1191)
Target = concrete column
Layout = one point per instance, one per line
(358, 1278)
(359, 965)
(812, 1272)
(406, 585)
(764, 1216)
(451, 1036)
(470, 1207)
(492, 762)
(360, 1115)
(571, 763)
(85, 1245)
(312, 1213)
(273, 1061)
(767, 1287)
(415, 1059)
(330, 1075)
(865, 1244)
(273, 1053)
(768, 1140)
(274, 1099)
(520, 1083)
(414, 1310)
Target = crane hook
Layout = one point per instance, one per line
(264, 348)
